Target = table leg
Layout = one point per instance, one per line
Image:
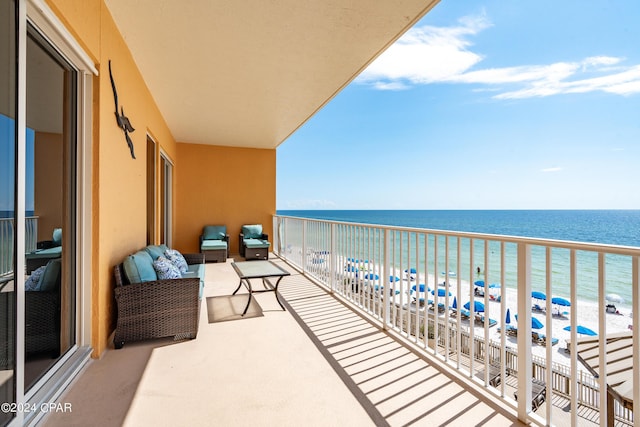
(276, 292)
(248, 286)
(268, 286)
(238, 288)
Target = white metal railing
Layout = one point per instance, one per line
(6, 241)
(372, 266)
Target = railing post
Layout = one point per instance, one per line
(524, 330)
(303, 261)
(388, 296)
(332, 259)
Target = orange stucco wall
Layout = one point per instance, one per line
(222, 186)
(119, 187)
(232, 186)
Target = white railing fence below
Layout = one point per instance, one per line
(416, 280)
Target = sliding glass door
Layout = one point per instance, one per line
(51, 178)
(8, 145)
(45, 207)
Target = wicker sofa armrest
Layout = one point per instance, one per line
(156, 309)
(197, 258)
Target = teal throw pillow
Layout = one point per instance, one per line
(165, 269)
(139, 268)
(252, 231)
(177, 259)
(156, 250)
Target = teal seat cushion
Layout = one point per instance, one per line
(196, 270)
(252, 231)
(256, 243)
(139, 267)
(50, 279)
(209, 245)
(55, 252)
(57, 236)
(156, 251)
(214, 232)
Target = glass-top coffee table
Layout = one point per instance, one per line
(265, 270)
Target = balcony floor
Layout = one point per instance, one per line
(318, 363)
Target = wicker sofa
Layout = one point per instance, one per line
(45, 252)
(148, 307)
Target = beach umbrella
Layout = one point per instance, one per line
(371, 276)
(455, 303)
(441, 292)
(614, 298)
(478, 307)
(394, 279)
(494, 285)
(561, 301)
(582, 330)
(507, 319)
(479, 283)
(535, 323)
(351, 268)
(411, 271)
(421, 288)
(538, 295)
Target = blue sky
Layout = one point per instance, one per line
(482, 105)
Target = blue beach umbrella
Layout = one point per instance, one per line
(479, 283)
(455, 303)
(582, 330)
(507, 318)
(561, 301)
(352, 268)
(494, 285)
(441, 292)
(421, 288)
(394, 279)
(371, 276)
(411, 271)
(478, 307)
(538, 295)
(535, 323)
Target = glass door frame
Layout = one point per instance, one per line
(38, 15)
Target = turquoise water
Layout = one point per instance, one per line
(617, 227)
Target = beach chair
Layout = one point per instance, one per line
(465, 314)
(541, 339)
(480, 320)
(538, 394)
(511, 330)
(538, 308)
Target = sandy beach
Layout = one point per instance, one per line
(586, 311)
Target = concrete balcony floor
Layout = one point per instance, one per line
(318, 363)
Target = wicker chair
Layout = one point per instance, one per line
(157, 309)
(254, 244)
(214, 243)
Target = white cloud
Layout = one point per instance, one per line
(430, 54)
(554, 169)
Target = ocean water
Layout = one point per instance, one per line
(616, 227)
